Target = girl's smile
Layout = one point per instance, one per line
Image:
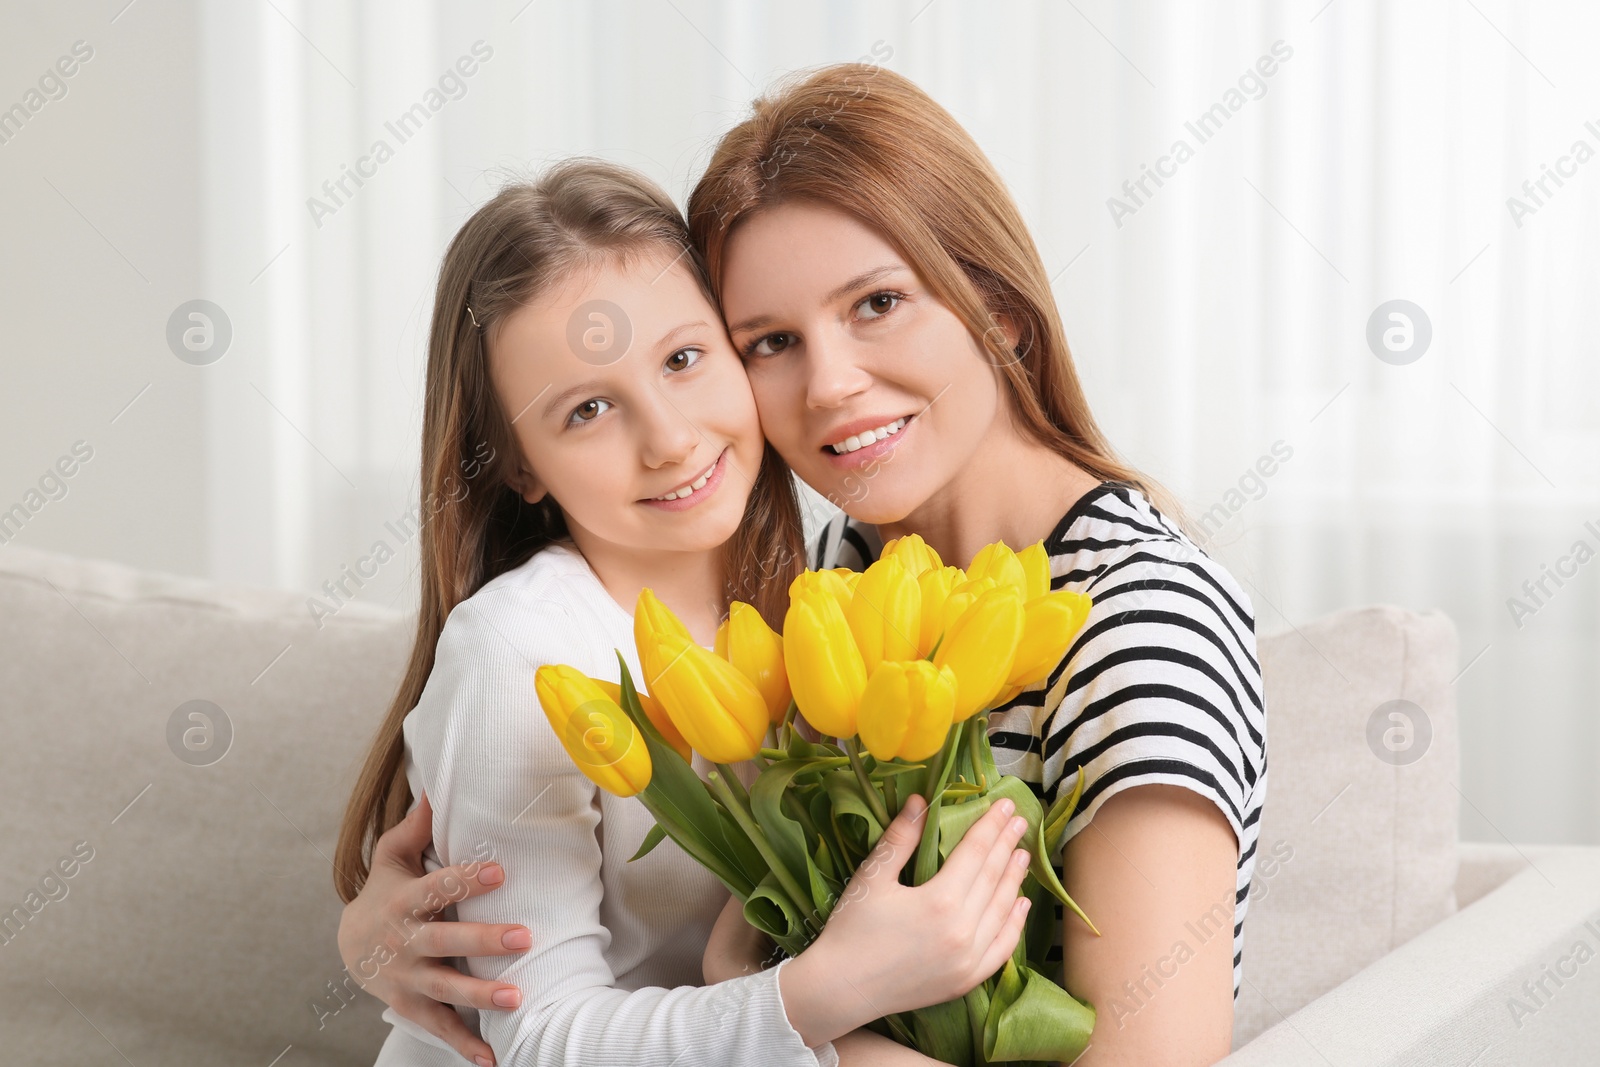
(693, 492)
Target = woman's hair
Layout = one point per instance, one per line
(529, 238)
(868, 141)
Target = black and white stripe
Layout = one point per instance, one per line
(1160, 686)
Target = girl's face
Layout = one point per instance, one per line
(623, 391)
(873, 391)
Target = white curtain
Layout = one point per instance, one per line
(1341, 155)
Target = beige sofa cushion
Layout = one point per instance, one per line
(1357, 853)
(202, 930)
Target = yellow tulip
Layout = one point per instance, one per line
(826, 672)
(962, 596)
(839, 583)
(915, 554)
(980, 647)
(745, 640)
(1036, 566)
(935, 586)
(655, 713)
(716, 708)
(594, 730)
(885, 615)
(1048, 624)
(907, 709)
(650, 618)
(1000, 563)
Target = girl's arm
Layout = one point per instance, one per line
(1155, 867)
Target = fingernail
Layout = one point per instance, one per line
(517, 939)
(507, 998)
(491, 875)
(483, 1061)
(1019, 825)
(1007, 805)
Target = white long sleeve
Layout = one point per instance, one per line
(614, 973)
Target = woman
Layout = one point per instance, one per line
(908, 361)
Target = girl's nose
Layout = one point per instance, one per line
(668, 435)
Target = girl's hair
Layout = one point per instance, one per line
(868, 141)
(515, 248)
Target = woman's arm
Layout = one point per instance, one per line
(391, 942)
(1155, 868)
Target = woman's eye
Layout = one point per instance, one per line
(770, 345)
(878, 305)
(587, 411)
(683, 359)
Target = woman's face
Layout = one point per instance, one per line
(873, 391)
(622, 390)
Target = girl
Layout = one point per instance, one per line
(909, 362)
(578, 366)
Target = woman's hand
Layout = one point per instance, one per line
(391, 944)
(889, 948)
(736, 948)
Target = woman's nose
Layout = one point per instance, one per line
(833, 375)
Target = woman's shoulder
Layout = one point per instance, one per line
(1118, 548)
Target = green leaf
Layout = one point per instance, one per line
(977, 1001)
(785, 835)
(944, 1032)
(1032, 1018)
(853, 821)
(769, 909)
(685, 810)
(1060, 813)
(652, 838)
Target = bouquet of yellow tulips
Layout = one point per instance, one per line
(895, 666)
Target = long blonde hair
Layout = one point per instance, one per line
(868, 141)
(510, 251)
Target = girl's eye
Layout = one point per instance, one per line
(878, 304)
(683, 359)
(587, 411)
(770, 345)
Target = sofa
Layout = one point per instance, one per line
(177, 755)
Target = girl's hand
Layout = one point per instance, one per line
(736, 948)
(889, 948)
(391, 945)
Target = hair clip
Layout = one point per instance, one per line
(473, 317)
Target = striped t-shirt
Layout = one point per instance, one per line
(1160, 686)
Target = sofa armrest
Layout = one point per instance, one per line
(1512, 979)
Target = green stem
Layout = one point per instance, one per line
(874, 799)
(972, 748)
(786, 732)
(741, 815)
(891, 796)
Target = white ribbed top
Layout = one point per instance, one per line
(614, 973)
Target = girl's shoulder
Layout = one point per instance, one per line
(550, 609)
